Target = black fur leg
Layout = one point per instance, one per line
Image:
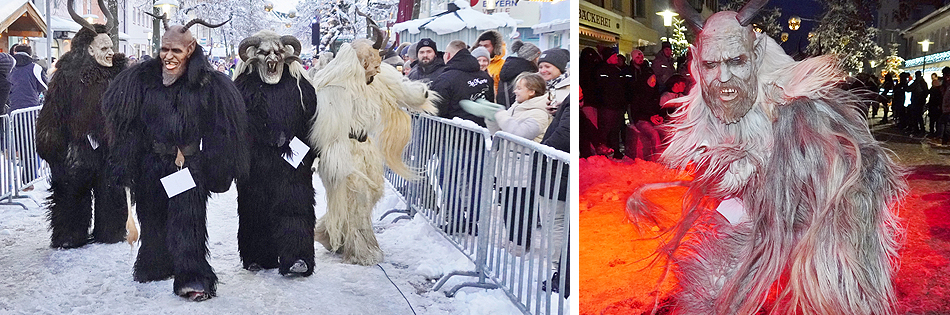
(294, 230)
(70, 209)
(255, 227)
(153, 261)
(187, 241)
(111, 212)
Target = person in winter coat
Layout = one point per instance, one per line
(887, 88)
(523, 58)
(934, 105)
(6, 65)
(494, 43)
(461, 80)
(429, 62)
(663, 65)
(527, 118)
(28, 80)
(552, 66)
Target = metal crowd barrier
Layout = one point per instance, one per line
(486, 195)
(21, 165)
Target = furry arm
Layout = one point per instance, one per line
(330, 134)
(52, 135)
(120, 106)
(224, 134)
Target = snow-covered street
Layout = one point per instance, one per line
(97, 278)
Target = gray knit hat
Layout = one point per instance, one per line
(481, 52)
(527, 51)
(557, 57)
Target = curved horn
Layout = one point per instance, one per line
(252, 41)
(110, 19)
(749, 10)
(164, 18)
(380, 40)
(693, 19)
(77, 18)
(293, 42)
(203, 22)
(368, 19)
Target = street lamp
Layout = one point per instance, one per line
(794, 22)
(292, 13)
(667, 17)
(924, 47)
(91, 18)
(268, 6)
(166, 6)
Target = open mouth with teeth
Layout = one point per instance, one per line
(171, 65)
(728, 94)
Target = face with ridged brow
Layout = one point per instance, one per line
(727, 67)
(177, 47)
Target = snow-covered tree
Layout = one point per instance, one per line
(841, 32)
(339, 21)
(893, 62)
(767, 20)
(678, 38)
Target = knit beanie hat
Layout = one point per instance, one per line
(426, 42)
(527, 51)
(557, 57)
(481, 52)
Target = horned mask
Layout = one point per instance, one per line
(370, 55)
(177, 46)
(727, 58)
(268, 52)
(100, 47)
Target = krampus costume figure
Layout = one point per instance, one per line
(359, 126)
(275, 202)
(818, 234)
(170, 115)
(70, 137)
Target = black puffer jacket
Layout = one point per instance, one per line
(512, 68)
(462, 80)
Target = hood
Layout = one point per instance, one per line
(496, 41)
(463, 61)
(515, 66)
(22, 60)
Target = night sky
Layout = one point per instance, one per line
(806, 9)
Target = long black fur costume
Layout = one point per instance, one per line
(70, 113)
(275, 202)
(202, 109)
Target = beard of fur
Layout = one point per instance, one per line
(254, 63)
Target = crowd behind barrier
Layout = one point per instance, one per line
(20, 165)
(499, 200)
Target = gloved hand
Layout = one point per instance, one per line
(481, 108)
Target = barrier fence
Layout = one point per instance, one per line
(21, 166)
(501, 200)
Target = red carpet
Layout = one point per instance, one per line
(617, 277)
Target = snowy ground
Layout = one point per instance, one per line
(98, 278)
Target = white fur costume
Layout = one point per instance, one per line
(351, 170)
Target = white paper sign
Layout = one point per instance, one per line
(298, 151)
(733, 210)
(178, 182)
(92, 142)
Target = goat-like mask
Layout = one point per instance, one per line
(268, 52)
(727, 59)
